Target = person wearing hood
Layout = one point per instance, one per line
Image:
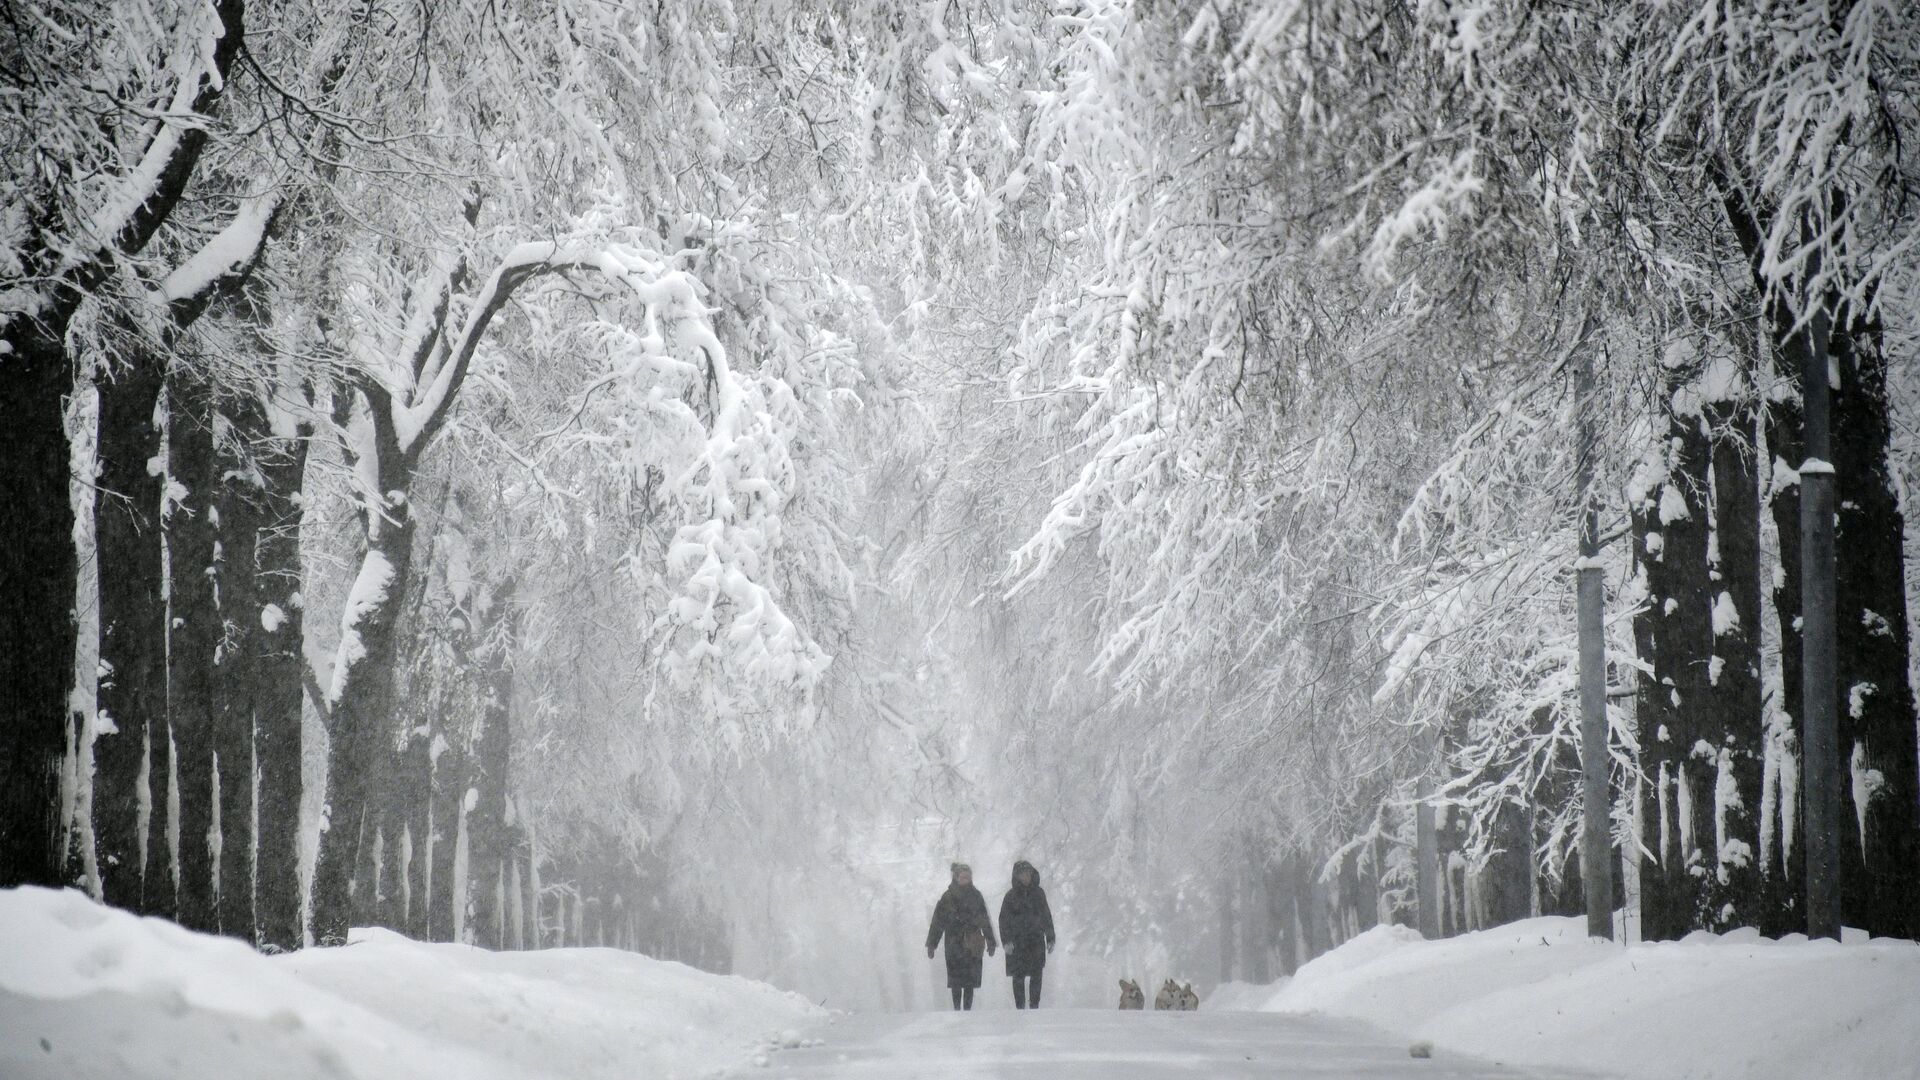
(1026, 926)
(960, 918)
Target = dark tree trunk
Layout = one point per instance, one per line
(1879, 821)
(1820, 668)
(489, 839)
(415, 805)
(1735, 890)
(1509, 878)
(1229, 932)
(273, 678)
(1352, 917)
(1259, 922)
(132, 696)
(1653, 710)
(449, 789)
(1674, 716)
(39, 576)
(359, 721)
(1376, 869)
(1426, 862)
(388, 907)
(1596, 762)
(1310, 901)
(195, 637)
(244, 516)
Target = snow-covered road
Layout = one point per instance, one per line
(1086, 1044)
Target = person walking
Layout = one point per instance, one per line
(1026, 927)
(960, 918)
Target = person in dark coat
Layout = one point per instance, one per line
(960, 918)
(1026, 926)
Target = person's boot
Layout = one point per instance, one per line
(1033, 992)
(956, 999)
(966, 998)
(1019, 993)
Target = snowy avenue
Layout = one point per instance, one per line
(1087, 1045)
(948, 539)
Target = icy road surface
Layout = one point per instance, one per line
(1085, 1044)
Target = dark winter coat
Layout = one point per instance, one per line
(960, 918)
(1026, 924)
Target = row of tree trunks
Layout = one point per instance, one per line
(39, 565)
(1701, 715)
(1879, 822)
(1875, 835)
(191, 558)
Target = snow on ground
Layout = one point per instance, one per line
(87, 991)
(1539, 992)
(1108, 1044)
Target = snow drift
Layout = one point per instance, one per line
(1539, 992)
(89, 991)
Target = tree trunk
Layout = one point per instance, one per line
(245, 517)
(1259, 922)
(1820, 668)
(1229, 934)
(1376, 876)
(194, 617)
(1735, 893)
(460, 883)
(535, 936)
(488, 837)
(362, 702)
(1316, 926)
(1427, 866)
(1358, 893)
(39, 577)
(1653, 712)
(132, 696)
(1596, 844)
(1680, 609)
(516, 906)
(417, 804)
(1508, 881)
(273, 680)
(450, 776)
(1879, 823)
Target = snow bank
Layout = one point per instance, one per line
(88, 991)
(1538, 992)
(1240, 996)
